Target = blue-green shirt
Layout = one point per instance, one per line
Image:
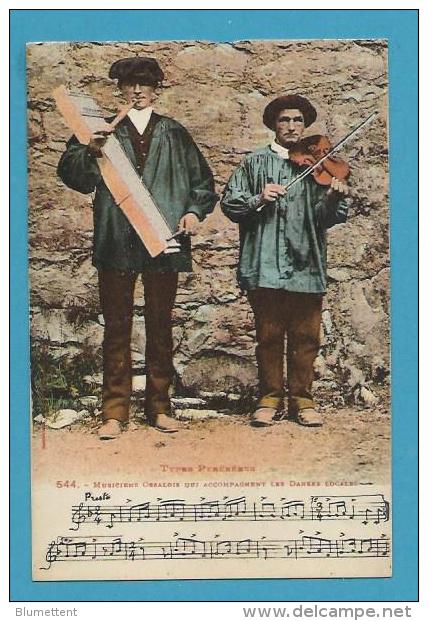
(283, 245)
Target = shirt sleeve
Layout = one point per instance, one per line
(78, 169)
(238, 201)
(202, 197)
(331, 210)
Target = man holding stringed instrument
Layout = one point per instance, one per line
(181, 185)
(283, 216)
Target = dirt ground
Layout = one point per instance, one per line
(352, 447)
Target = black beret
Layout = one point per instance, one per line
(289, 102)
(141, 69)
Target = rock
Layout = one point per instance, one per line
(187, 402)
(354, 347)
(177, 337)
(65, 418)
(226, 297)
(192, 414)
(364, 396)
(321, 369)
(327, 322)
(39, 418)
(53, 327)
(324, 384)
(340, 275)
(138, 359)
(363, 316)
(356, 95)
(338, 401)
(65, 353)
(96, 379)
(93, 336)
(205, 313)
(35, 130)
(90, 400)
(233, 398)
(380, 370)
(222, 59)
(216, 372)
(138, 383)
(207, 394)
(198, 338)
(356, 376)
(138, 340)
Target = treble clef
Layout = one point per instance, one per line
(52, 554)
(78, 516)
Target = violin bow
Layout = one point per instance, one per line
(336, 147)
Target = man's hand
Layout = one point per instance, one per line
(271, 191)
(338, 186)
(189, 223)
(97, 142)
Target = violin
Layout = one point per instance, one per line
(316, 155)
(308, 153)
(310, 150)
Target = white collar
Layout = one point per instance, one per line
(282, 151)
(140, 118)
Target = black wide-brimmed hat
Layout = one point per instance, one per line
(289, 102)
(141, 69)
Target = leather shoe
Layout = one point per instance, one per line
(110, 429)
(263, 417)
(165, 423)
(309, 417)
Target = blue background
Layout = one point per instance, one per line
(400, 27)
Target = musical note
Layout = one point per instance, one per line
(235, 508)
(209, 510)
(293, 509)
(171, 510)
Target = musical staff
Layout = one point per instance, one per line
(305, 547)
(365, 509)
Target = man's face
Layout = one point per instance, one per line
(289, 126)
(142, 96)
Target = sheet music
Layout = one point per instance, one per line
(99, 535)
(367, 508)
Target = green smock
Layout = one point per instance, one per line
(176, 174)
(282, 245)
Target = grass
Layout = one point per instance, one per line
(56, 383)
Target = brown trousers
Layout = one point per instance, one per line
(299, 314)
(117, 304)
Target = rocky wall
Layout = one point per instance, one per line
(219, 91)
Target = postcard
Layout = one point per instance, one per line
(209, 276)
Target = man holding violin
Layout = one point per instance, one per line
(282, 263)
